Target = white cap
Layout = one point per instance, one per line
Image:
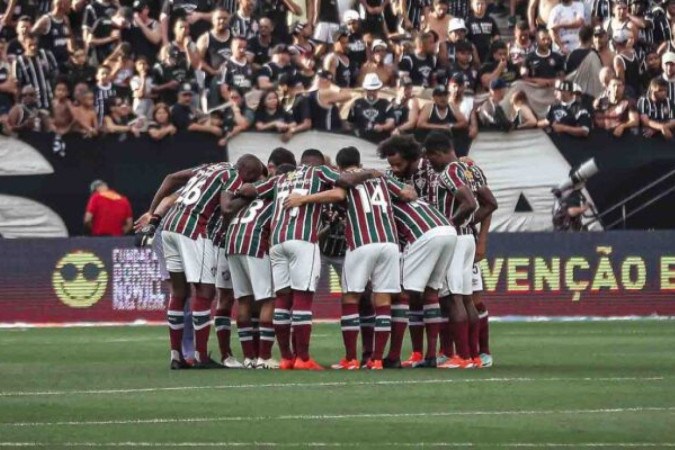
(371, 82)
(350, 15)
(456, 24)
(668, 57)
(621, 36)
(379, 43)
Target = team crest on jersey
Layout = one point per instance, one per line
(425, 71)
(559, 114)
(370, 114)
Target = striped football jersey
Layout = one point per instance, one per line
(248, 232)
(451, 179)
(370, 216)
(422, 179)
(476, 176)
(413, 219)
(196, 212)
(300, 223)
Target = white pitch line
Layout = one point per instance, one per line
(348, 444)
(300, 417)
(322, 384)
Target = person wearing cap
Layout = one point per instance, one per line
(369, 116)
(421, 64)
(385, 72)
(602, 47)
(280, 64)
(490, 114)
(56, 34)
(613, 111)
(482, 28)
(627, 65)
(457, 34)
(567, 116)
(657, 111)
(303, 51)
(563, 24)
(324, 15)
(108, 213)
(183, 114)
(668, 65)
(215, 45)
(338, 63)
(498, 66)
(463, 66)
(440, 115)
(324, 103)
(357, 47)
(405, 108)
(543, 65)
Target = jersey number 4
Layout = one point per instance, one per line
(376, 199)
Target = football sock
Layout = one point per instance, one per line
(223, 325)
(175, 317)
(484, 329)
(432, 322)
(445, 335)
(382, 330)
(245, 332)
(201, 319)
(460, 335)
(282, 324)
(302, 322)
(399, 323)
(255, 330)
(474, 331)
(349, 322)
(416, 325)
(266, 340)
(367, 321)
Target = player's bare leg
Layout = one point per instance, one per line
(266, 308)
(416, 327)
(350, 325)
(223, 325)
(282, 326)
(382, 328)
(399, 323)
(201, 319)
(245, 330)
(483, 329)
(367, 323)
(175, 316)
(472, 315)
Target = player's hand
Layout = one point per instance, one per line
(376, 173)
(480, 253)
(145, 236)
(142, 221)
(247, 191)
(293, 201)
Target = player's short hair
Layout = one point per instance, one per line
(285, 168)
(437, 142)
(281, 155)
(312, 153)
(586, 34)
(348, 157)
(404, 145)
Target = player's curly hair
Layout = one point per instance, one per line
(437, 142)
(404, 145)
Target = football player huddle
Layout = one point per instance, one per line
(405, 242)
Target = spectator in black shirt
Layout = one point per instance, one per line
(656, 111)
(182, 112)
(78, 70)
(237, 117)
(302, 52)
(281, 64)
(8, 86)
(15, 46)
(421, 64)
(236, 71)
(462, 64)
(567, 116)
(482, 28)
(259, 47)
(277, 12)
(94, 11)
(242, 22)
(543, 65)
(338, 63)
(270, 114)
(196, 12)
(161, 125)
(119, 119)
(370, 115)
(145, 34)
(356, 49)
(37, 68)
(295, 104)
(107, 33)
(498, 66)
(576, 56)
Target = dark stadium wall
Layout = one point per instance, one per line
(619, 273)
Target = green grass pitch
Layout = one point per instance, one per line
(554, 385)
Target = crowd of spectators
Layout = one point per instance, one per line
(372, 67)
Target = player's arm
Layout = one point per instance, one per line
(487, 204)
(261, 189)
(467, 204)
(230, 204)
(334, 195)
(481, 243)
(349, 180)
(155, 216)
(400, 191)
(171, 182)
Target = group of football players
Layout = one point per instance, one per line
(250, 233)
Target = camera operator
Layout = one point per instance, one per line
(569, 209)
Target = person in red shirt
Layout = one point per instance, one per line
(108, 212)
